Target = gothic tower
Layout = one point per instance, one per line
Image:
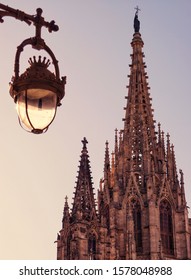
(77, 239)
(142, 211)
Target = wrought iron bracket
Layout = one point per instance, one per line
(37, 19)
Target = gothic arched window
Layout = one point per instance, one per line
(92, 246)
(166, 227)
(107, 218)
(68, 246)
(136, 211)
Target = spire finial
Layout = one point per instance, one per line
(116, 141)
(181, 177)
(168, 143)
(84, 142)
(66, 199)
(106, 144)
(183, 198)
(107, 160)
(137, 10)
(168, 138)
(159, 132)
(136, 20)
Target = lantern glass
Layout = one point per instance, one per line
(36, 108)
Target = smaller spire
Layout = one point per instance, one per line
(168, 137)
(159, 133)
(169, 157)
(101, 181)
(84, 202)
(183, 198)
(107, 162)
(181, 177)
(163, 141)
(174, 164)
(112, 161)
(112, 168)
(116, 141)
(120, 139)
(116, 146)
(168, 144)
(66, 213)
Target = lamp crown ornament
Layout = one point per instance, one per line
(39, 63)
(37, 71)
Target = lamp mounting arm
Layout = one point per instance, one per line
(37, 19)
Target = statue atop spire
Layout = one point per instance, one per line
(136, 20)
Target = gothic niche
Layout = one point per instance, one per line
(92, 246)
(107, 219)
(68, 247)
(166, 227)
(136, 213)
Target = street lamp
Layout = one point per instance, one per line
(38, 91)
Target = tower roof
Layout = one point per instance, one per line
(139, 137)
(139, 150)
(84, 202)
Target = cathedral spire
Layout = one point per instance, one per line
(139, 136)
(84, 202)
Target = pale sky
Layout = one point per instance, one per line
(93, 50)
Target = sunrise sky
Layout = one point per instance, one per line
(93, 50)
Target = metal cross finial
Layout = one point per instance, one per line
(84, 142)
(137, 10)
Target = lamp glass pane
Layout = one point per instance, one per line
(36, 108)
